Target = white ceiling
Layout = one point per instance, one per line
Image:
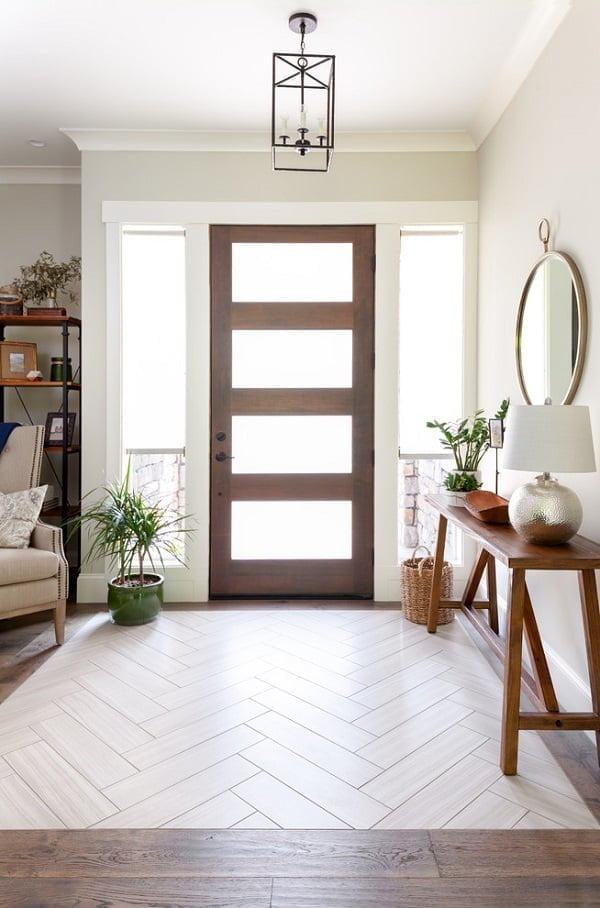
(401, 65)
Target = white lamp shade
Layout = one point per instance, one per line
(550, 439)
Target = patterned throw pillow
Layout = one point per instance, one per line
(19, 512)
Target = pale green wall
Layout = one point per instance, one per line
(238, 177)
(234, 178)
(541, 160)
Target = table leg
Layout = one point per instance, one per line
(512, 673)
(588, 594)
(539, 663)
(492, 594)
(436, 580)
(474, 578)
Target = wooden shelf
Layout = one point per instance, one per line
(13, 383)
(8, 321)
(66, 471)
(58, 449)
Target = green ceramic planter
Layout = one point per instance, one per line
(136, 605)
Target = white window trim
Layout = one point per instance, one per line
(191, 584)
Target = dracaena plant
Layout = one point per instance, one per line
(129, 531)
(468, 439)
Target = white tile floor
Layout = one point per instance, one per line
(271, 717)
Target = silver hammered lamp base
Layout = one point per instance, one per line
(545, 512)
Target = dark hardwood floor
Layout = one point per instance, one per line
(26, 643)
(303, 869)
(289, 869)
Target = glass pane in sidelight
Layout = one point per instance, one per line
(292, 444)
(291, 272)
(432, 306)
(153, 398)
(291, 529)
(160, 477)
(292, 359)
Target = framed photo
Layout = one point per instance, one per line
(16, 360)
(496, 433)
(54, 430)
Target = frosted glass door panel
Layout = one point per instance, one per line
(291, 272)
(292, 444)
(291, 359)
(291, 529)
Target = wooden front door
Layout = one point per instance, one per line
(292, 412)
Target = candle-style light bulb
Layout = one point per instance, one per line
(283, 130)
(302, 143)
(321, 126)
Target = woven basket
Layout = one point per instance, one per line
(416, 575)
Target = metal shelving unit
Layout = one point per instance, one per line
(69, 456)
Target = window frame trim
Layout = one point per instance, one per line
(196, 218)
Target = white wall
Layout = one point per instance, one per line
(234, 180)
(34, 217)
(541, 160)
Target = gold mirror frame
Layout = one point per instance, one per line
(582, 317)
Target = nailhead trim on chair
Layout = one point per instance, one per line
(57, 544)
(63, 581)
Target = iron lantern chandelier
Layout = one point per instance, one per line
(303, 105)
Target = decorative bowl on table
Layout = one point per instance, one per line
(487, 506)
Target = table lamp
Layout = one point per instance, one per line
(547, 439)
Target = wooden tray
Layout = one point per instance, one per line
(487, 506)
(47, 312)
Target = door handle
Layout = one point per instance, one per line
(221, 456)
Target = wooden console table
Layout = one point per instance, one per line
(503, 544)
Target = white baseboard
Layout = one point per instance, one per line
(91, 588)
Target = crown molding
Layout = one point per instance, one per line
(545, 18)
(200, 140)
(50, 174)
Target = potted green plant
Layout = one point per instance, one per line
(41, 282)
(130, 531)
(468, 439)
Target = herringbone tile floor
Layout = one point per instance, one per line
(316, 718)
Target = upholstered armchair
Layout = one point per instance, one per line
(33, 579)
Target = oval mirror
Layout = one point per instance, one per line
(551, 331)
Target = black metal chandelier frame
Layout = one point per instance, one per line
(303, 79)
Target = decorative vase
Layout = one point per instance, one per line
(131, 605)
(57, 369)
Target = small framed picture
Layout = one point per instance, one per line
(496, 433)
(16, 360)
(54, 430)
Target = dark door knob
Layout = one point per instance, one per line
(221, 456)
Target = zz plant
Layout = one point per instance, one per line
(468, 439)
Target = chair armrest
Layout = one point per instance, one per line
(50, 539)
